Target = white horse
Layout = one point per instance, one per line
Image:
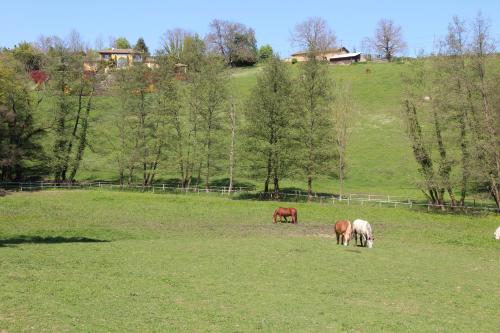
(364, 230)
(497, 234)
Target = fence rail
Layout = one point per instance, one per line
(347, 199)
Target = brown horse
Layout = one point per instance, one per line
(343, 231)
(284, 212)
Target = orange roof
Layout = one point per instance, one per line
(119, 51)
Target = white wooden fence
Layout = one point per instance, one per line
(347, 199)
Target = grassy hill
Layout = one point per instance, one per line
(139, 262)
(379, 158)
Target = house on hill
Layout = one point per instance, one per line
(121, 57)
(346, 58)
(339, 55)
(320, 55)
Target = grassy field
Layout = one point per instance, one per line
(94, 260)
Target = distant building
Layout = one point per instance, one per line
(121, 57)
(346, 58)
(320, 55)
(339, 55)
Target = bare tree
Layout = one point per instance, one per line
(342, 121)
(232, 124)
(483, 47)
(234, 41)
(173, 42)
(99, 43)
(75, 42)
(314, 35)
(388, 40)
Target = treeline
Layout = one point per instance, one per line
(452, 109)
(179, 114)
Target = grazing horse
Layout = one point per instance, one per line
(284, 212)
(343, 231)
(364, 230)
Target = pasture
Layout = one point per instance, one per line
(140, 262)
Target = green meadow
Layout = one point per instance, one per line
(90, 260)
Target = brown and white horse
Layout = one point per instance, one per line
(285, 212)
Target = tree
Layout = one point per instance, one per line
(265, 52)
(121, 43)
(459, 114)
(342, 114)
(388, 40)
(233, 41)
(174, 43)
(270, 124)
(18, 132)
(231, 112)
(212, 83)
(75, 43)
(31, 58)
(314, 36)
(315, 89)
(141, 46)
(72, 91)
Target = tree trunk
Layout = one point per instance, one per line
(232, 118)
(309, 188)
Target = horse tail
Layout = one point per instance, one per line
(296, 217)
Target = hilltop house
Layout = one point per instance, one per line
(121, 57)
(335, 56)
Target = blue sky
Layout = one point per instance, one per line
(422, 21)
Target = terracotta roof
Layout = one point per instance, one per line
(119, 51)
(333, 50)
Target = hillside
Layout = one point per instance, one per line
(379, 158)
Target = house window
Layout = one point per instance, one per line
(137, 57)
(121, 62)
(106, 56)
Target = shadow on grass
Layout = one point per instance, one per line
(47, 240)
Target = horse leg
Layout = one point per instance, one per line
(285, 219)
(337, 238)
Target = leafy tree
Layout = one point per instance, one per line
(270, 127)
(72, 91)
(315, 89)
(212, 82)
(121, 43)
(233, 41)
(141, 46)
(265, 52)
(30, 57)
(18, 132)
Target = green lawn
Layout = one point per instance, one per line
(140, 262)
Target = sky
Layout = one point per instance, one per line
(422, 21)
